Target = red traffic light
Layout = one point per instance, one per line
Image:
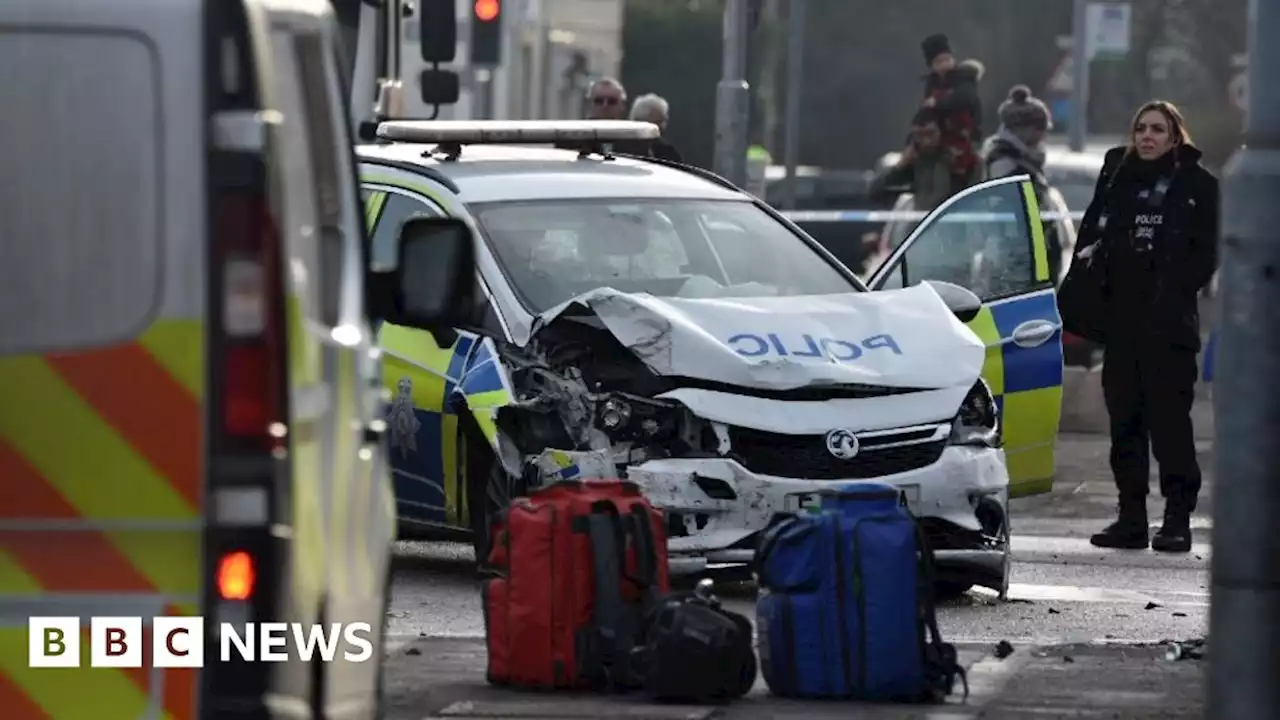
(487, 10)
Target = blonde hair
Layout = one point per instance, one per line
(1173, 116)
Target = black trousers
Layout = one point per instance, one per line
(1149, 392)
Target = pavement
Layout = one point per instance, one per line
(1087, 627)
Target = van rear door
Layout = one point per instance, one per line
(102, 265)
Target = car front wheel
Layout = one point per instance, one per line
(489, 490)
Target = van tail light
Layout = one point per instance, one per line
(253, 343)
(236, 576)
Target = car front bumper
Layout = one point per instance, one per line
(717, 507)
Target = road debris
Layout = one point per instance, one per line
(1186, 650)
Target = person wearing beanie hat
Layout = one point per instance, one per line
(952, 89)
(1017, 147)
(1023, 111)
(937, 53)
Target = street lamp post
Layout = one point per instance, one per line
(733, 97)
(1244, 624)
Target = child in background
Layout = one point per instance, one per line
(952, 89)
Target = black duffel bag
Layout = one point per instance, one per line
(696, 651)
(1082, 297)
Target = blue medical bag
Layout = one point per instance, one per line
(846, 603)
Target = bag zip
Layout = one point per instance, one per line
(788, 622)
(557, 658)
(840, 612)
(860, 597)
(860, 593)
(506, 606)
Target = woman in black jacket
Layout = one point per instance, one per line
(1150, 239)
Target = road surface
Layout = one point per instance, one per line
(1063, 592)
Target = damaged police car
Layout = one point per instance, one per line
(650, 320)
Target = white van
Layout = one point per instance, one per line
(189, 405)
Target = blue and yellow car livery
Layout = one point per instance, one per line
(1019, 321)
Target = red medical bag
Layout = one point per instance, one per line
(577, 565)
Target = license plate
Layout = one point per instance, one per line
(796, 502)
(912, 494)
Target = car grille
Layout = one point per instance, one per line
(805, 456)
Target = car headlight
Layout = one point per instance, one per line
(977, 423)
(635, 419)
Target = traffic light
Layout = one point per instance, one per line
(439, 87)
(438, 30)
(486, 32)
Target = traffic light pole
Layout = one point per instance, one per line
(364, 72)
(795, 82)
(733, 97)
(1080, 75)
(1244, 622)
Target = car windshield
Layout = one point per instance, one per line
(552, 251)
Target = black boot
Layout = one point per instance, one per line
(1129, 531)
(1174, 535)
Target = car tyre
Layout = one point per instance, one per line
(1007, 566)
(489, 490)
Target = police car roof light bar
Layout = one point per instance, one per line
(515, 132)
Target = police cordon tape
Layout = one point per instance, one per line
(884, 216)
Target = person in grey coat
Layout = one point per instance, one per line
(1018, 145)
(1017, 148)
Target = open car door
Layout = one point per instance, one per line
(989, 238)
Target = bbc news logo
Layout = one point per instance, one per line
(179, 642)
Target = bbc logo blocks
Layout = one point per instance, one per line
(176, 642)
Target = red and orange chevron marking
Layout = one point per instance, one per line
(100, 495)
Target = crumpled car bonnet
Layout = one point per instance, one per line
(897, 338)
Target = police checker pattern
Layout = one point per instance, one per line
(1024, 381)
(425, 463)
(424, 456)
(100, 456)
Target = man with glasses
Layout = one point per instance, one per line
(606, 100)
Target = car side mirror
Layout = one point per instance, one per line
(962, 301)
(433, 284)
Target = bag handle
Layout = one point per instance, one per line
(641, 529)
(942, 669)
(613, 644)
(770, 540)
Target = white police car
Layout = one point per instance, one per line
(658, 316)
